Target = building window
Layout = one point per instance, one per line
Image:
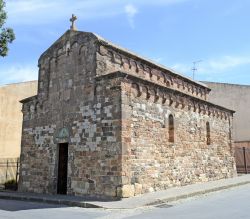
(208, 133)
(171, 128)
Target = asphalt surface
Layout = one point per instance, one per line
(228, 204)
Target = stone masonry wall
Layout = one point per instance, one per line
(151, 161)
(70, 97)
(111, 58)
(94, 163)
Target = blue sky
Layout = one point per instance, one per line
(172, 32)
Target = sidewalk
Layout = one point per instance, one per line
(148, 199)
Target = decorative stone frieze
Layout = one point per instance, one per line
(152, 91)
(122, 60)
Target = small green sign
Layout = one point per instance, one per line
(62, 135)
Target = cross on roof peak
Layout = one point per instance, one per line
(72, 20)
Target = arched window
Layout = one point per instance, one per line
(208, 133)
(171, 128)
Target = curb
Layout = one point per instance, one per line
(49, 201)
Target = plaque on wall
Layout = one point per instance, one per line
(62, 135)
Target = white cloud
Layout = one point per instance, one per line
(226, 63)
(158, 2)
(46, 11)
(182, 68)
(214, 65)
(157, 59)
(21, 6)
(18, 73)
(131, 11)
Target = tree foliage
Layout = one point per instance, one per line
(6, 34)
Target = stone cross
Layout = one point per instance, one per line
(72, 20)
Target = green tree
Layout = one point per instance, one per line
(6, 34)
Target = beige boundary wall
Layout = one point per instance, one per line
(11, 116)
(236, 97)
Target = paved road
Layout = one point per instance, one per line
(230, 204)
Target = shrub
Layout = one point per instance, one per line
(11, 184)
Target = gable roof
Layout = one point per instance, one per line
(70, 33)
(108, 43)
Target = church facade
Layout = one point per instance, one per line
(107, 122)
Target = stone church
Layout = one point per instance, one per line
(108, 122)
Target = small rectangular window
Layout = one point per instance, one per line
(171, 128)
(208, 133)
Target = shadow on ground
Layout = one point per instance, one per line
(13, 205)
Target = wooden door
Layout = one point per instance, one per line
(62, 169)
